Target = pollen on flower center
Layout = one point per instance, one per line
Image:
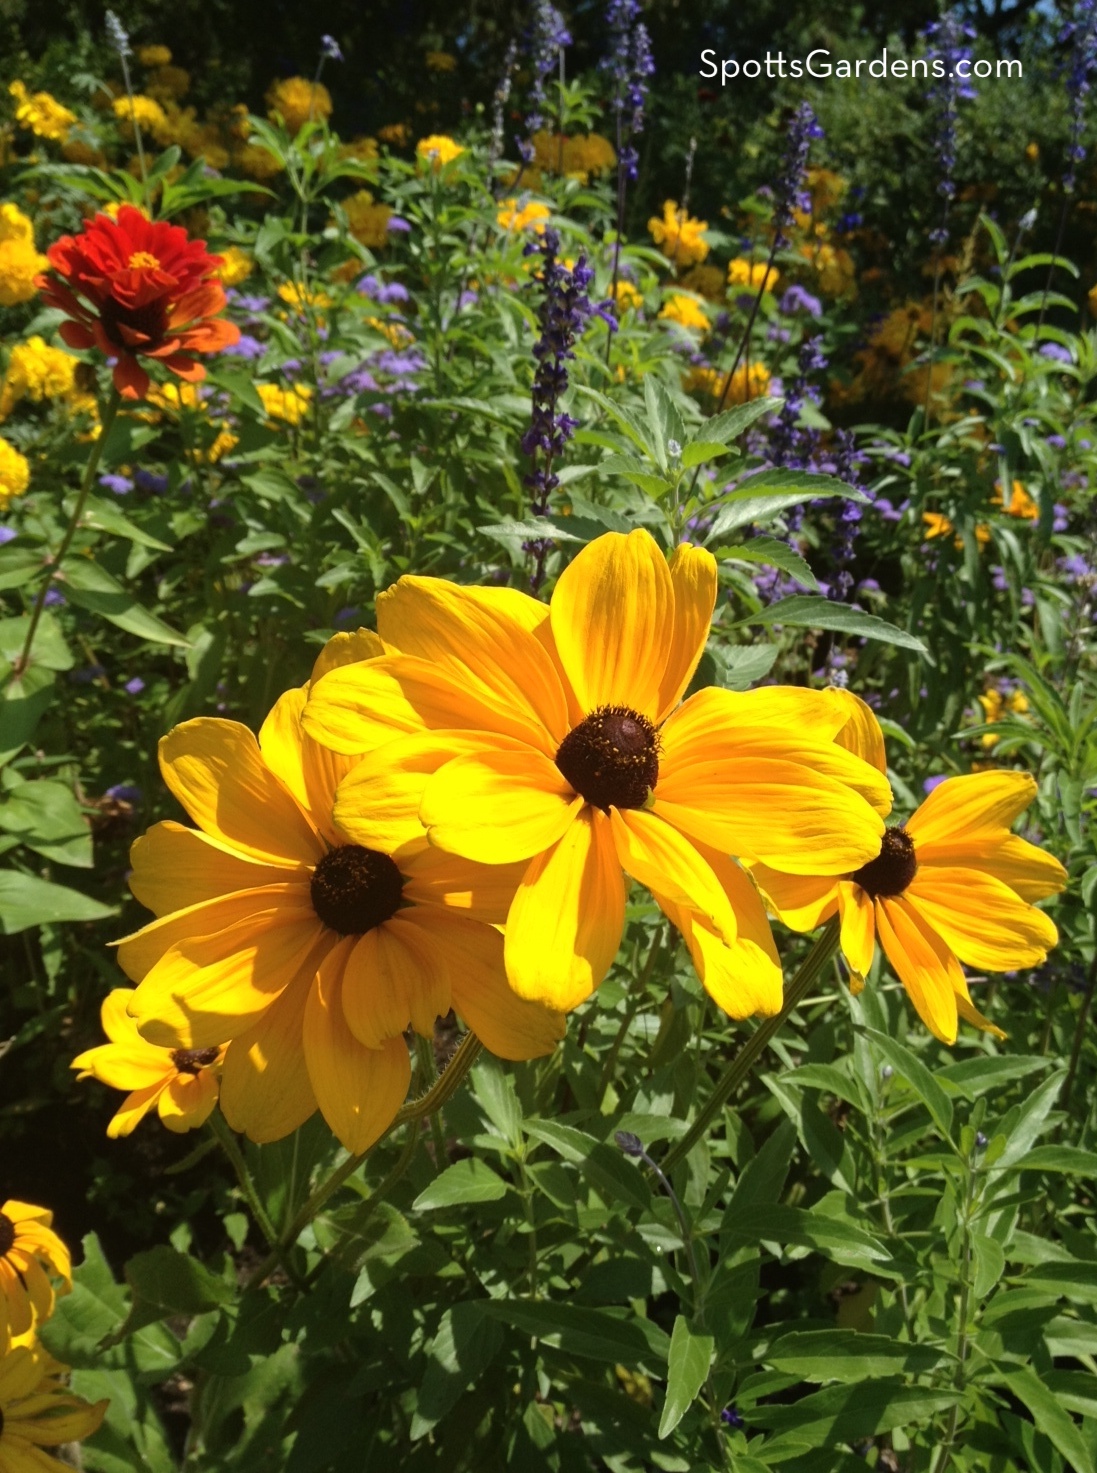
(143, 261)
(611, 758)
(354, 889)
(7, 1235)
(193, 1060)
(893, 868)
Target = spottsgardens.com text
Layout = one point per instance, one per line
(823, 64)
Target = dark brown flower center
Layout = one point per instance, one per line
(148, 322)
(354, 889)
(611, 758)
(893, 868)
(193, 1060)
(7, 1235)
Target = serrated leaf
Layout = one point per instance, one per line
(631, 426)
(471, 1180)
(531, 529)
(809, 612)
(165, 1283)
(731, 423)
(773, 553)
(688, 1363)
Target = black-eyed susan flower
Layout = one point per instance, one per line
(555, 738)
(38, 1412)
(950, 887)
(310, 952)
(179, 1084)
(31, 1256)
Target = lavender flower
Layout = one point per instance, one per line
(1081, 32)
(7, 534)
(797, 299)
(116, 482)
(548, 37)
(499, 103)
(135, 686)
(847, 463)
(947, 42)
(117, 35)
(791, 445)
(790, 193)
(246, 346)
(124, 793)
(330, 50)
(629, 64)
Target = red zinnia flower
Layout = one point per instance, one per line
(148, 291)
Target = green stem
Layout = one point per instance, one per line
(811, 968)
(944, 1450)
(227, 1141)
(635, 997)
(54, 567)
(428, 1073)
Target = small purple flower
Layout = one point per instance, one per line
(54, 598)
(948, 42)
(797, 299)
(150, 482)
(1057, 442)
(329, 49)
(346, 617)
(7, 534)
(114, 481)
(397, 225)
(1056, 352)
(731, 1417)
(790, 193)
(246, 346)
(929, 783)
(135, 686)
(124, 793)
(87, 674)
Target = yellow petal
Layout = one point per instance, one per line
(506, 1024)
(134, 1108)
(657, 856)
(971, 1014)
(612, 618)
(211, 988)
(481, 892)
(359, 1090)
(394, 977)
(139, 952)
(265, 1088)
(780, 710)
(188, 1101)
(1031, 872)
(175, 867)
(125, 1066)
(478, 645)
(693, 579)
(347, 648)
(565, 925)
(861, 734)
(216, 771)
(858, 934)
(498, 806)
(978, 804)
(281, 737)
(921, 961)
(981, 919)
(802, 902)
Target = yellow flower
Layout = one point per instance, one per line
(221, 446)
(995, 706)
(301, 297)
(30, 1252)
(1021, 504)
(938, 525)
(144, 113)
(398, 335)
(440, 61)
(14, 473)
(531, 216)
(751, 274)
(951, 885)
(367, 220)
(686, 312)
(749, 381)
(256, 162)
(834, 268)
(180, 1084)
(1032, 152)
(578, 156)
(706, 281)
(14, 225)
(363, 149)
(236, 266)
(310, 952)
(554, 739)
(20, 263)
(290, 405)
(41, 114)
(298, 101)
(679, 236)
(398, 134)
(167, 84)
(37, 1411)
(36, 371)
(439, 149)
(153, 56)
(826, 189)
(627, 296)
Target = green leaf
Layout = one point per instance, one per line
(471, 1180)
(700, 452)
(689, 1360)
(1056, 1424)
(615, 1178)
(731, 423)
(770, 492)
(839, 1240)
(990, 1264)
(239, 384)
(845, 1355)
(467, 1342)
(49, 820)
(637, 473)
(166, 1282)
(371, 1229)
(631, 426)
(92, 587)
(839, 1414)
(103, 516)
(22, 704)
(271, 485)
(49, 651)
(920, 1079)
(740, 666)
(1061, 1158)
(19, 566)
(529, 530)
(808, 612)
(26, 900)
(772, 552)
(594, 1334)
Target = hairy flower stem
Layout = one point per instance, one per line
(811, 968)
(443, 1089)
(54, 566)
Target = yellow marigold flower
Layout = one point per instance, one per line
(225, 442)
(298, 101)
(749, 381)
(627, 296)
(679, 236)
(14, 225)
(1021, 504)
(440, 61)
(530, 216)
(950, 886)
(30, 1253)
(706, 281)
(14, 473)
(834, 268)
(290, 405)
(167, 84)
(996, 705)
(686, 312)
(826, 189)
(556, 739)
(367, 220)
(145, 113)
(364, 149)
(938, 525)
(41, 114)
(37, 1411)
(398, 134)
(20, 263)
(236, 266)
(175, 396)
(311, 952)
(179, 1084)
(751, 274)
(38, 371)
(154, 55)
(439, 149)
(897, 334)
(1032, 152)
(702, 378)
(300, 297)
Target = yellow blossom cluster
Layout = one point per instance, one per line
(288, 405)
(167, 84)
(367, 219)
(297, 101)
(20, 263)
(751, 274)
(439, 149)
(575, 155)
(14, 473)
(706, 281)
(302, 298)
(36, 371)
(41, 114)
(686, 312)
(627, 296)
(144, 113)
(154, 55)
(236, 266)
(530, 216)
(749, 381)
(996, 706)
(440, 61)
(679, 236)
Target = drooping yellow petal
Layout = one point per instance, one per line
(478, 645)
(861, 734)
(347, 647)
(124, 1066)
(395, 976)
(134, 1108)
(359, 1090)
(216, 771)
(174, 867)
(281, 737)
(612, 618)
(802, 902)
(693, 580)
(977, 804)
(1031, 872)
(971, 1014)
(507, 1024)
(657, 856)
(480, 892)
(208, 989)
(921, 961)
(981, 919)
(188, 1101)
(565, 925)
(498, 806)
(858, 935)
(140, 951)
(265, 1088)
